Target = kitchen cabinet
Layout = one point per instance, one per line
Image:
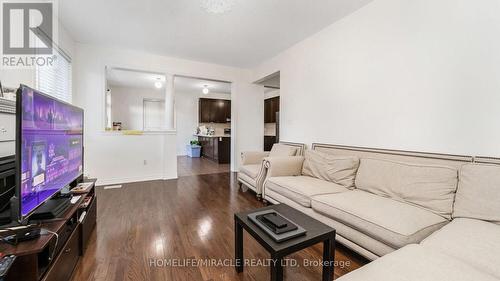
(217, 149)
(227, 107)
(269, 141)
(219, 111)
(214, 111)
(271, 107)
(207, 149)
(205, 110)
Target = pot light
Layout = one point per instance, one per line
(217, 6)
(158, 83)
(205, 90)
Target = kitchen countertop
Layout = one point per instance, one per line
(213, 136)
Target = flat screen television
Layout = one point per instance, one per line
(49, 148)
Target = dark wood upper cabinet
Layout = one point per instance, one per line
(214, 111)
(271, 107)
(267, 111)
(228, 110)
(204, 110)
(219, 110)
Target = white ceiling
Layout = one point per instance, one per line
(118, 77)
(195, 85)
(253, 31)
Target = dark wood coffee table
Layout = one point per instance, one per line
(316, 232)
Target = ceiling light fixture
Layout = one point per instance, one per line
(217, 6)
(205, 90)
(158, 83)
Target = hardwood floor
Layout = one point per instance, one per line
(188, 218)
(187, 166)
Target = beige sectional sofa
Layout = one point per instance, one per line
(252, 172)
(377, 200)
(467, 248)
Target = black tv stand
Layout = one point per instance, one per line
(54, 255)
(51, 209)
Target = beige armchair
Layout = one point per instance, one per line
(253, 173)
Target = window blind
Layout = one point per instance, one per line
(55, 80)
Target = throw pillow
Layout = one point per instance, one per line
(334, 168)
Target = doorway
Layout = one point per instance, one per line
(272, 106)
(203, 118)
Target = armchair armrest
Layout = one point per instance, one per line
(284, 166)
(253, 157)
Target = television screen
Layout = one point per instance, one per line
(50, 147)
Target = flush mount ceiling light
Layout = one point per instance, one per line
(217, 6)
(158, 83)
(205, 90)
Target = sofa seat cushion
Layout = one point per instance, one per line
(428, 186)
(478, 193)
(251, 170)
(475, 242)
(395, 223)
(416, 263)
(300, 189)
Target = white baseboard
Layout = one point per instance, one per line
(101, 182)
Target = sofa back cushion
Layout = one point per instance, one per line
(478, 194)
(337, 169)
(281, 150)
(428, 186)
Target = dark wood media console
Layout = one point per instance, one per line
(54, 259)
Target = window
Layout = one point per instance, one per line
(55, 80)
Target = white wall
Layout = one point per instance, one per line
(12, 78)
(247, 119)
(116, 158)
(417, 75)
(186, 109)
(127, 105)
